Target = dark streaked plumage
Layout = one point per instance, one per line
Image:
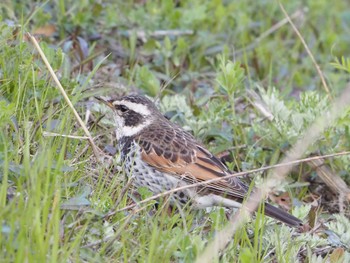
(161, 156)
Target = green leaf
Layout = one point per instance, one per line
(6, 112)
(147, 81)
(230, 76)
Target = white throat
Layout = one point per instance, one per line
(131, 131)
(123, 130)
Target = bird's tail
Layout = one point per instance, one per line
(280, 215)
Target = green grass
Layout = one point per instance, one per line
(54, 195)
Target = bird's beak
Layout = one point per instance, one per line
(106, 101)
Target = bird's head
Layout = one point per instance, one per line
(132, 114)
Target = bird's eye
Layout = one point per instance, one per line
(122, 108)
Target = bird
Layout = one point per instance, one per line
(161, 156)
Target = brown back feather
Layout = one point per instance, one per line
(170, 149)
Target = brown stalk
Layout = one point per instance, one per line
(319, 71)
(95, 149)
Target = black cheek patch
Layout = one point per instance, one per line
(133, 119)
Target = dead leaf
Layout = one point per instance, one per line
(337, 255)
(47, 30)
(282, 200)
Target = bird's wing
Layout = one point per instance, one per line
(172, 150)
(176, 152)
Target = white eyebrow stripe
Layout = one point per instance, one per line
(139, 108)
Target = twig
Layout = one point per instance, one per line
(320, 73)
(95, 149)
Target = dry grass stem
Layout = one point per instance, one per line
(268, 32)
(319, 71)
(64, 94)
(53, 134)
